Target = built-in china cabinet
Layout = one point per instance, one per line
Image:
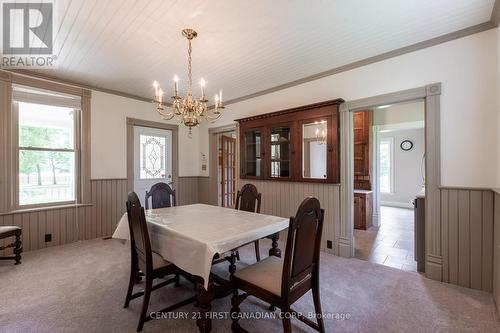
(299, 144)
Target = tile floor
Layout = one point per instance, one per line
(392, 243)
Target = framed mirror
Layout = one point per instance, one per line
(315, 150)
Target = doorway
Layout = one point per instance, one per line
(389, 150)
(152, 158)
(226, 169)
(223, 182)
(152, 155)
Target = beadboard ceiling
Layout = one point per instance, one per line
(243, 46)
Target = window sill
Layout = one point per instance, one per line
(38, 209)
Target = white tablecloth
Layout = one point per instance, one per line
(189, 236)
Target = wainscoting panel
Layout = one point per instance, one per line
(187, 191)
(69, 224)
(496, 254)
(283, 199)
(108, 206)
(467, 237)
(97, 219)
(60, 222)
(204, 190)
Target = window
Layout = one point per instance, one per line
(386, 150)
(152, 156)
(46, 149)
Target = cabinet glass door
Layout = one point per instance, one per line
(280, 152)
(314, 150)
(253, 158)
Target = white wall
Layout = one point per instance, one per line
(466, 67)
(407, 173)
(109, 136)
(400, 113)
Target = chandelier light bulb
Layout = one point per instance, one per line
(160, 95)
(202, 84)
(155, 85)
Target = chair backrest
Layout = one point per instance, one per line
(248, 199)
(139, 236)
(162, 196)
(301, 262)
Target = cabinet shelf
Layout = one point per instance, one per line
(274, 136)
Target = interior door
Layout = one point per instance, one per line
(227, 167)
(152, 159)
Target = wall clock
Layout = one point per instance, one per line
(406, 145)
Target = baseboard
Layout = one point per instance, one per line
(396, 204)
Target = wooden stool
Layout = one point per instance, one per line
(12, 231)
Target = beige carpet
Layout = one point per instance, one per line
(80, 288)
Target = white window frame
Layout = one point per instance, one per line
(29, 95)
(390, 140)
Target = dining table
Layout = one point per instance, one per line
(193, 236)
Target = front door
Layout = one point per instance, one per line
(152, 159)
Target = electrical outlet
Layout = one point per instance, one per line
(48, 238)
(329, 244)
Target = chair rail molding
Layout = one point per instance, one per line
(431, 95)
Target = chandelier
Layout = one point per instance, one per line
(189, 110)
(320, 134)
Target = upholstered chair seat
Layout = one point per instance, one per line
(282, 282)
(8, 232)
(265, 274)
(8, 229)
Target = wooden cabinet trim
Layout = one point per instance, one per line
(294, 118)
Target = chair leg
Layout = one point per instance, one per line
(18, 249)
(235, 311)
(287, 323)
(177, 280)
(130, 286)
(317, 309)
(257, 251)
(145, 302)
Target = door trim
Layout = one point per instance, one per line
(213, 155)
(431, 94)
(131, 122)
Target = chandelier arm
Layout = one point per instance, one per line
(213, 118)
(166, 116)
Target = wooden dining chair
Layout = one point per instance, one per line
(150, 263)
(16, 232)
(249, 200)
(281, 282)
(162, 196)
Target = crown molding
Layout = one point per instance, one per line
(384, 56)
(495, 14)
(51, 78)
(338, 101)
(491, 24)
